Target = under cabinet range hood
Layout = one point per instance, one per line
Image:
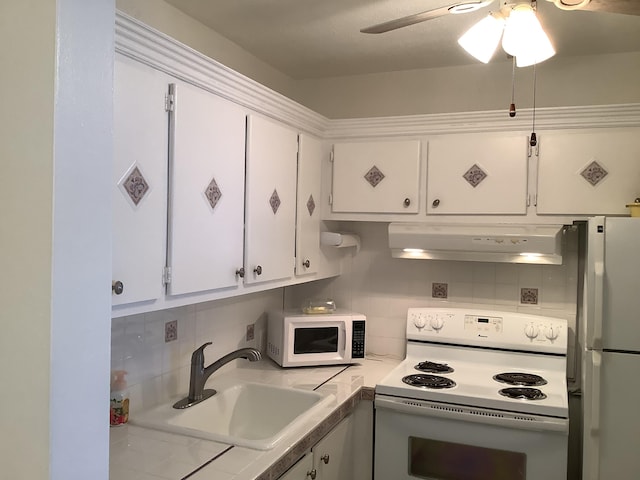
(541, 244)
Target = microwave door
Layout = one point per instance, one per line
(318, 343)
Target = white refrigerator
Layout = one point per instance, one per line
(611, 356)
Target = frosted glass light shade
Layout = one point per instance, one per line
(524, 37)
(483, 38)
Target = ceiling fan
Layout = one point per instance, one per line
(627, 7)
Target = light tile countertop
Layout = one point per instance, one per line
(138, 453)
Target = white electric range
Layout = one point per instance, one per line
(481, 395)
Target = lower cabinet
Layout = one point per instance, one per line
(303, 470)
(345, 453)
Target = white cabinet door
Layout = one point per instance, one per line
(376, 177)
(140, 181)
(303, 470)
(206, 191)
(272, 151)
(588, 173)
(477, 174)
(308, 212)
(333, 455)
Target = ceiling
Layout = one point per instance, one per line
(321, 38)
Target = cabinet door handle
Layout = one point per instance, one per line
(325, 458)
(258, 270)
(312, 474)
(240, 272)
(117, 287)
(306, 263)
(435, 203)
(407, 202)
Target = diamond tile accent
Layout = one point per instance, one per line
(374, 176)
(274, 201)
(474, 175)
(594, 173)
(135, 185)
(439, 290)
(171, 331)
(529, 296)
(311, 205)
(213, 193)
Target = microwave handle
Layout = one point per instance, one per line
(344, 340)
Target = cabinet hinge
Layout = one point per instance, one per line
(166, 275)
(169, 102)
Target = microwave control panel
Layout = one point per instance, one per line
(357, 342)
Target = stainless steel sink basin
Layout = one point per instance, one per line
(246, 414)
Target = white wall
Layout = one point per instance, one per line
(588, 80)
(561, 81)
(171, 21)
(159, 370)
(56, 150)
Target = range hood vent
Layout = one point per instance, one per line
(541, 244)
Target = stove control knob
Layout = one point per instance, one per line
(531, 331)
(552, 332)
(419, 321)
(437, 323)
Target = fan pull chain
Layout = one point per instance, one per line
(512, 107)
(534, 140)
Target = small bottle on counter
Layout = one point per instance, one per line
(119, 414)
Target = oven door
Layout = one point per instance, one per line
(417, 439)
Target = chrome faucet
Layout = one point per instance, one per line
(200, 373)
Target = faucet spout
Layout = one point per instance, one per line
(200, 374)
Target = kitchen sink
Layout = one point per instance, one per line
(246, 414)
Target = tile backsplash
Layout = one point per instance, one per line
(383, 288)
(155, 348)
(156, 352)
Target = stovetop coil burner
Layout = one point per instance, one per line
(522, 379)
(525, 393)
(428, 381)
(433, 367)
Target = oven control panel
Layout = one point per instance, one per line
(483, 324)
(511, 330)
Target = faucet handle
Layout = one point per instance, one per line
(197, 357)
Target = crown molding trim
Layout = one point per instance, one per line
(596, 116)
(140, 42)
(156, 49)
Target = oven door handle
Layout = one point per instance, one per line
(471, 414)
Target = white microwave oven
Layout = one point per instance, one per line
(296, 340)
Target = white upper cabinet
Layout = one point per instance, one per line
(139, 181)
(376, 177)
(206, 197)
(310, 159)
(588, 172)
(272, 152)
(477, 174)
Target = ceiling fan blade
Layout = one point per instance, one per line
(625, 7)
(406, 21)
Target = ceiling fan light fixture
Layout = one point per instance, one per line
(482, 39)
(524, 37)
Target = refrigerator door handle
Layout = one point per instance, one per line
(591, 457)
(595, 392)
(596, 334)
(595, 283)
